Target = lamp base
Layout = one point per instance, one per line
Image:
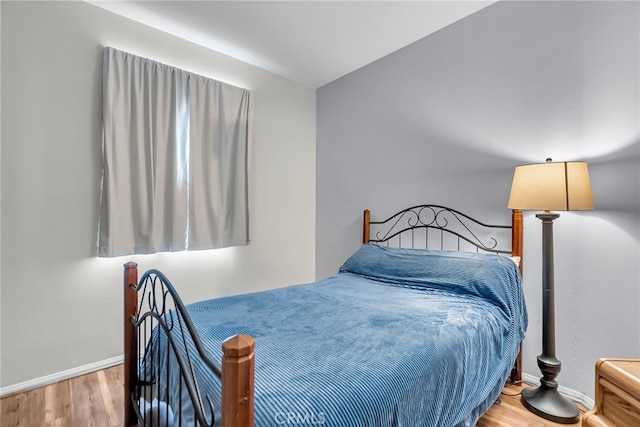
(548, 403)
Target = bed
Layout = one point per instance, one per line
(421, 326)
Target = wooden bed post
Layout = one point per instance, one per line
(365, 226)
(130, 357)
(517, 235)
(517, 228)
(238, 381)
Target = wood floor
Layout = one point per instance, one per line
(96, 400)
(509, 412)
(92, 400)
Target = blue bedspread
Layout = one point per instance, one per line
(399, 337)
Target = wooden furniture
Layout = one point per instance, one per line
(617, 394)
(237, 373)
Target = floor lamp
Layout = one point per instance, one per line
(547, 187)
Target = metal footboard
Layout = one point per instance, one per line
(164, 357)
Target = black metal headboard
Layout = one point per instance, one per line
(438, 227)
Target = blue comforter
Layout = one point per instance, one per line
(399, 337)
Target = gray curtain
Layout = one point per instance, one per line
(175, 147)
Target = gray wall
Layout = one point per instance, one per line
(61, 305)
(446, 119)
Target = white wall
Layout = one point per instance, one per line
(446, 119)
(61, 305)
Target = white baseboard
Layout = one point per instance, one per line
(60, 376)
(576, 396)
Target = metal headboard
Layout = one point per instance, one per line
(452, 223)
(437, 227)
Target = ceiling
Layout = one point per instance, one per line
(310, 42)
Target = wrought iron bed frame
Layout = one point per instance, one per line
(152, 304)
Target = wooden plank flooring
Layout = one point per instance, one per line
(509, 412)
(92, 400)
(96, 400)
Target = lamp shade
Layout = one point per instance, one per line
(553, 186)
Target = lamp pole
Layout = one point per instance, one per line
(545, 400)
